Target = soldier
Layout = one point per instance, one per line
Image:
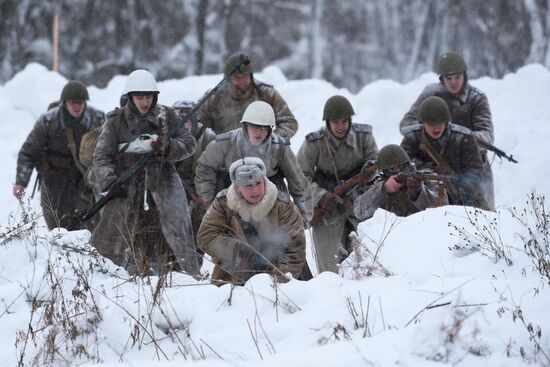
(329, 156)
(255, 138)
(147, 223)
(401, 196)
(52, 148)
(223, 111)
(252, 228)
(448, 149)
(468, 107)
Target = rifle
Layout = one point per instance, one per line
(144, 158)
(344, 188)
(501, 154)
(36, 184)
(420, 175)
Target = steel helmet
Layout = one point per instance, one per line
(392, 155)
(434, 111)
(259, 113)
(74, 91)
(337, 107)
(450, 63)
(141, 81)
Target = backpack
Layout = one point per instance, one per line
(89, 142)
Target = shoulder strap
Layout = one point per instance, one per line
(331, 156)
(72, 147)
(428, 149)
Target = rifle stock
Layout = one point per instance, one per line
(140, 163)
(342, 189)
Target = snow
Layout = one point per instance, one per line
(335, 319)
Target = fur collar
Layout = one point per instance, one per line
(252, 212)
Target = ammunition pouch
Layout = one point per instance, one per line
(60, 161)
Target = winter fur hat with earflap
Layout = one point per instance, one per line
(247, 171)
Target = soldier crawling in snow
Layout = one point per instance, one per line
(252, 228)
(400, 195)
(147, 223)
(328, 157)
(223, 111)
(52, 147)
(468, 107)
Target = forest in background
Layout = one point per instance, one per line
(348, 43)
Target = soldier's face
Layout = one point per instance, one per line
(252, 194)
(435, 131)
(75, 108)
(143, 103)
(339, 128)
(241, 83)
(454, 82)
(256, 133)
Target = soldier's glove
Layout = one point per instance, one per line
(18, 191)
(247, 258)
(160, 145)
(414, 186)
(329, 201)
(259, 263)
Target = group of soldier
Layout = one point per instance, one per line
(219, 177)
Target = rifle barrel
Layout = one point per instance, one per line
(426, 176)
(500, 153)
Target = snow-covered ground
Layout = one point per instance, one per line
(421, 304)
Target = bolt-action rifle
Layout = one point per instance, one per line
(421, 175)
(144, 158)
(501, 154)
(344, 188)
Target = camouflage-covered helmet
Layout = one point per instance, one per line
(233, 61)
(74, 91)
(336, 108)
(392, 155)
(434, 111)
(450, 63)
